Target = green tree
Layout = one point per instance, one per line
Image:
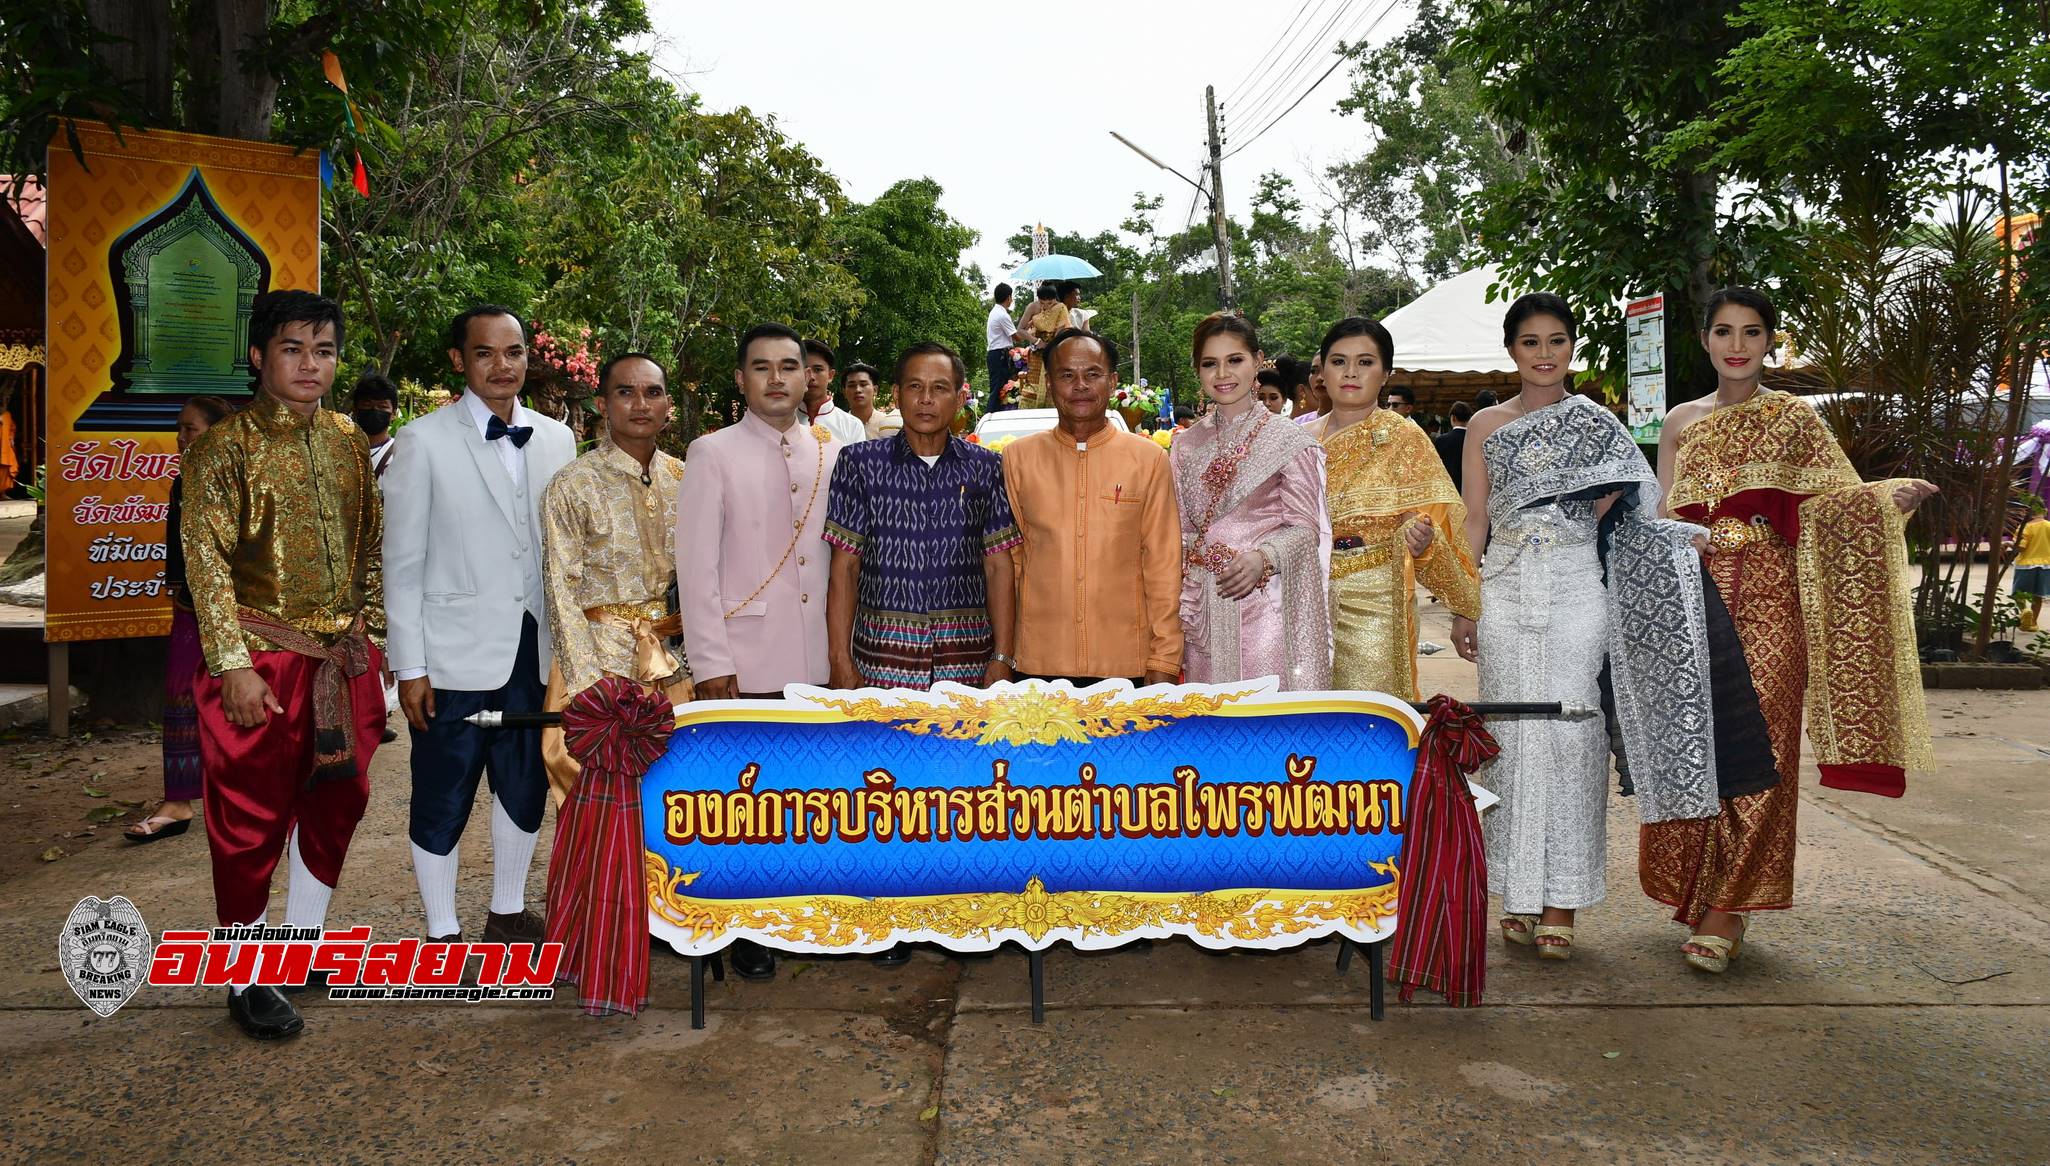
(904, 251)
(1590, 92)
(700, 225)
(1876, 99)
(1433, 147)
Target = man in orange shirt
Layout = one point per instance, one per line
(1100, 570)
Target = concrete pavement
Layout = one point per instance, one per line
(1896, 1015)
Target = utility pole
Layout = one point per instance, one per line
(1217, 226)
(1135, 336)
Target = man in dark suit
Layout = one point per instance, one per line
(1452, 443)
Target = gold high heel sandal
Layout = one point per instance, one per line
(1725, 951)
(1527, 936)
(1554, 951)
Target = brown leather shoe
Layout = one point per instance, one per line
(519, 927)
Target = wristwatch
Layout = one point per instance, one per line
(1006, 661)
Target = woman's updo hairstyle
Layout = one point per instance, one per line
(1295, 375)
(1746, 297)
(1538, 304)
(1223, 324)
(1360, 326)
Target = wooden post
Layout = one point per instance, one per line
(59, 698)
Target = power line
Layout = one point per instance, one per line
(1278, 93)
(1284, 82)
(1386, 8)
(1274, 52)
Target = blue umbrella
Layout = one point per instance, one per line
(1055, 267)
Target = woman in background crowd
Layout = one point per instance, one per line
(182, 659)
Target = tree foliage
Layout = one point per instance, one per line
(904, 250)
(1431, 148)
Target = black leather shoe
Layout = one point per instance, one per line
(389, 736)
(895, 957)
(316, 981)
(752, 961)
(264, 1013)
(518, 927)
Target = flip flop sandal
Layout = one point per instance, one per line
(1725, 951)
(1527, 936)
(1554, 951)
(171, 828)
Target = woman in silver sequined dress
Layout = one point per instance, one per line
(1542, 636)
(1578, 570)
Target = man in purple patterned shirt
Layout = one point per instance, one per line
(921, 528)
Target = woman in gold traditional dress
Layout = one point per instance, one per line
(1821, 609)
(1046, 319)
(1395, 518)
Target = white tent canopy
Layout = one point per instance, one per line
(1453, 327)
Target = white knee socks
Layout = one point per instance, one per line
(306, 897)
(437, 874)
(512, 852)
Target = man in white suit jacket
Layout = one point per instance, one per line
(469, 623)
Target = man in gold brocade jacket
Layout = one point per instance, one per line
(282, 528)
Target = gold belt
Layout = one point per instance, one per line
(1367, 558)
(649, 621)
(1734, 534)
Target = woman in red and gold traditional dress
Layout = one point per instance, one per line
(1811, 562)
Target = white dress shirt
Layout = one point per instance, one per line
(1000, 329)
(509, 454)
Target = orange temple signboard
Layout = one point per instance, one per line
(159, 243)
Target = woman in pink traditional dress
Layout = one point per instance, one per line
(1256, 541)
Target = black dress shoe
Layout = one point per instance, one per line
(895, 957)
(517, 927)
(264, 1013)
(315, 981)
(389, 736)
(752, 961)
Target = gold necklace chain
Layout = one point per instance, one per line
(820, 437)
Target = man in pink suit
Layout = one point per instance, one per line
(751, 565)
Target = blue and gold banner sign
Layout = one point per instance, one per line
(833, 821)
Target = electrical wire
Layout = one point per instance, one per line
(1273, 98)
(1387, 7)
(1273, 55)
(1251, 110)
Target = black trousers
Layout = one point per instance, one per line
(999, 376)
(450, 757)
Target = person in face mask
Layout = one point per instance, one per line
(375, 400)
(373, 405)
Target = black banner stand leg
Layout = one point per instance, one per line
(697, 991)
(1376, 981)
(1376, 977)
(1038, 962)
(697, 984)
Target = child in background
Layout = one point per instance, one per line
(2032, 564)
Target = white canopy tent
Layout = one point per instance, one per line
(1453, 327)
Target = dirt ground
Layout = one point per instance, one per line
(65, 797)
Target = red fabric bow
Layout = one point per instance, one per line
(1440, 929)
(597, 896)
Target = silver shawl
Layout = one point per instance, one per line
(1658, 626)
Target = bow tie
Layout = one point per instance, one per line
(496, 428)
